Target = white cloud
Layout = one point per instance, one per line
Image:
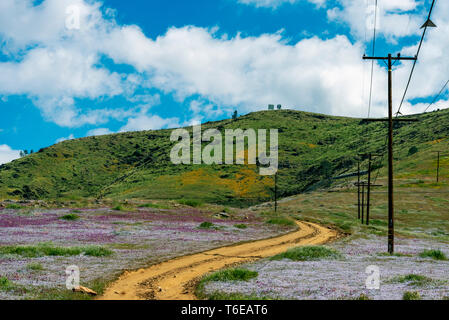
(314, 74)
(70, 137)
(153, 122)
(7, 154)
(276, 3)
(99, 132)
(55, 67)
(393, 17)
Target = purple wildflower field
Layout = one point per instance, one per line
(345, 278)
(137, 239)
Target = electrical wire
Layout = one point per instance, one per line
(414, 63)
(439, 94)
(372, 62)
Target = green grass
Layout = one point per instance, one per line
(234, 274)
(46, 249)
(413, 280)
(154, 206)
(434, 254)
(218, 295)
(34, 266)
(62, 293)
(191, 202)
(70, 217)
(308, 253)
(5, 284)
(237, 274)
(240, 226)
(206, 225)
(13, 206)
(109, 165)
(411, 295)
(119, 208)
(281, 221)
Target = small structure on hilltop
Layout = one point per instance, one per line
(271, 107)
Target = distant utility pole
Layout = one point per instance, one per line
(358, 188)
(368, 198)
(276, 192)
(390, 60)
(438, 166)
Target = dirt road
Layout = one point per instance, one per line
(175, 279)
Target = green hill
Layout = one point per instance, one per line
(313, 149)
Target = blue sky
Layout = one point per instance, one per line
(73, 68)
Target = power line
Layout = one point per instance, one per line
(426, 25)
(439, 94)
(372, 62)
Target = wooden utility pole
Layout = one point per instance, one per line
(369, 189)
(390, 143)
(276, 192)
(438, 166)
(363, 202)
(368, 198)
(358, 188)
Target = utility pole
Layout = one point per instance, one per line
(369, 189)
(358, 187)
(363, 201)
(368, 199)
(438, 166)
(390, 143)
(276, 192)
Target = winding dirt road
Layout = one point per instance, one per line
(175, 279)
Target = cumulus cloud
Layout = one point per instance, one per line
(99, 132)
(7, 154)
(313, 74)
(149, 122)
(393, 18)
(56, 67)
(276, 3)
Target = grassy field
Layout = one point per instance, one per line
(313, 148)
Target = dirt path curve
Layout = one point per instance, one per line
(175, 279)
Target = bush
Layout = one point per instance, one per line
(206, 225)
(308, 253)
(411, 295)
(412, 150)
(237, 274)
(240, 226)
(434, 254)
(70, 217)
(5, 284)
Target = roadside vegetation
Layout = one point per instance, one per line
(46, 249)
(308, 253)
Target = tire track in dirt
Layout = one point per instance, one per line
(175, 279)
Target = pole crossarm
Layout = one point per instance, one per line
(398, 57)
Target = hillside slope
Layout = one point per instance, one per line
(313, 148)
